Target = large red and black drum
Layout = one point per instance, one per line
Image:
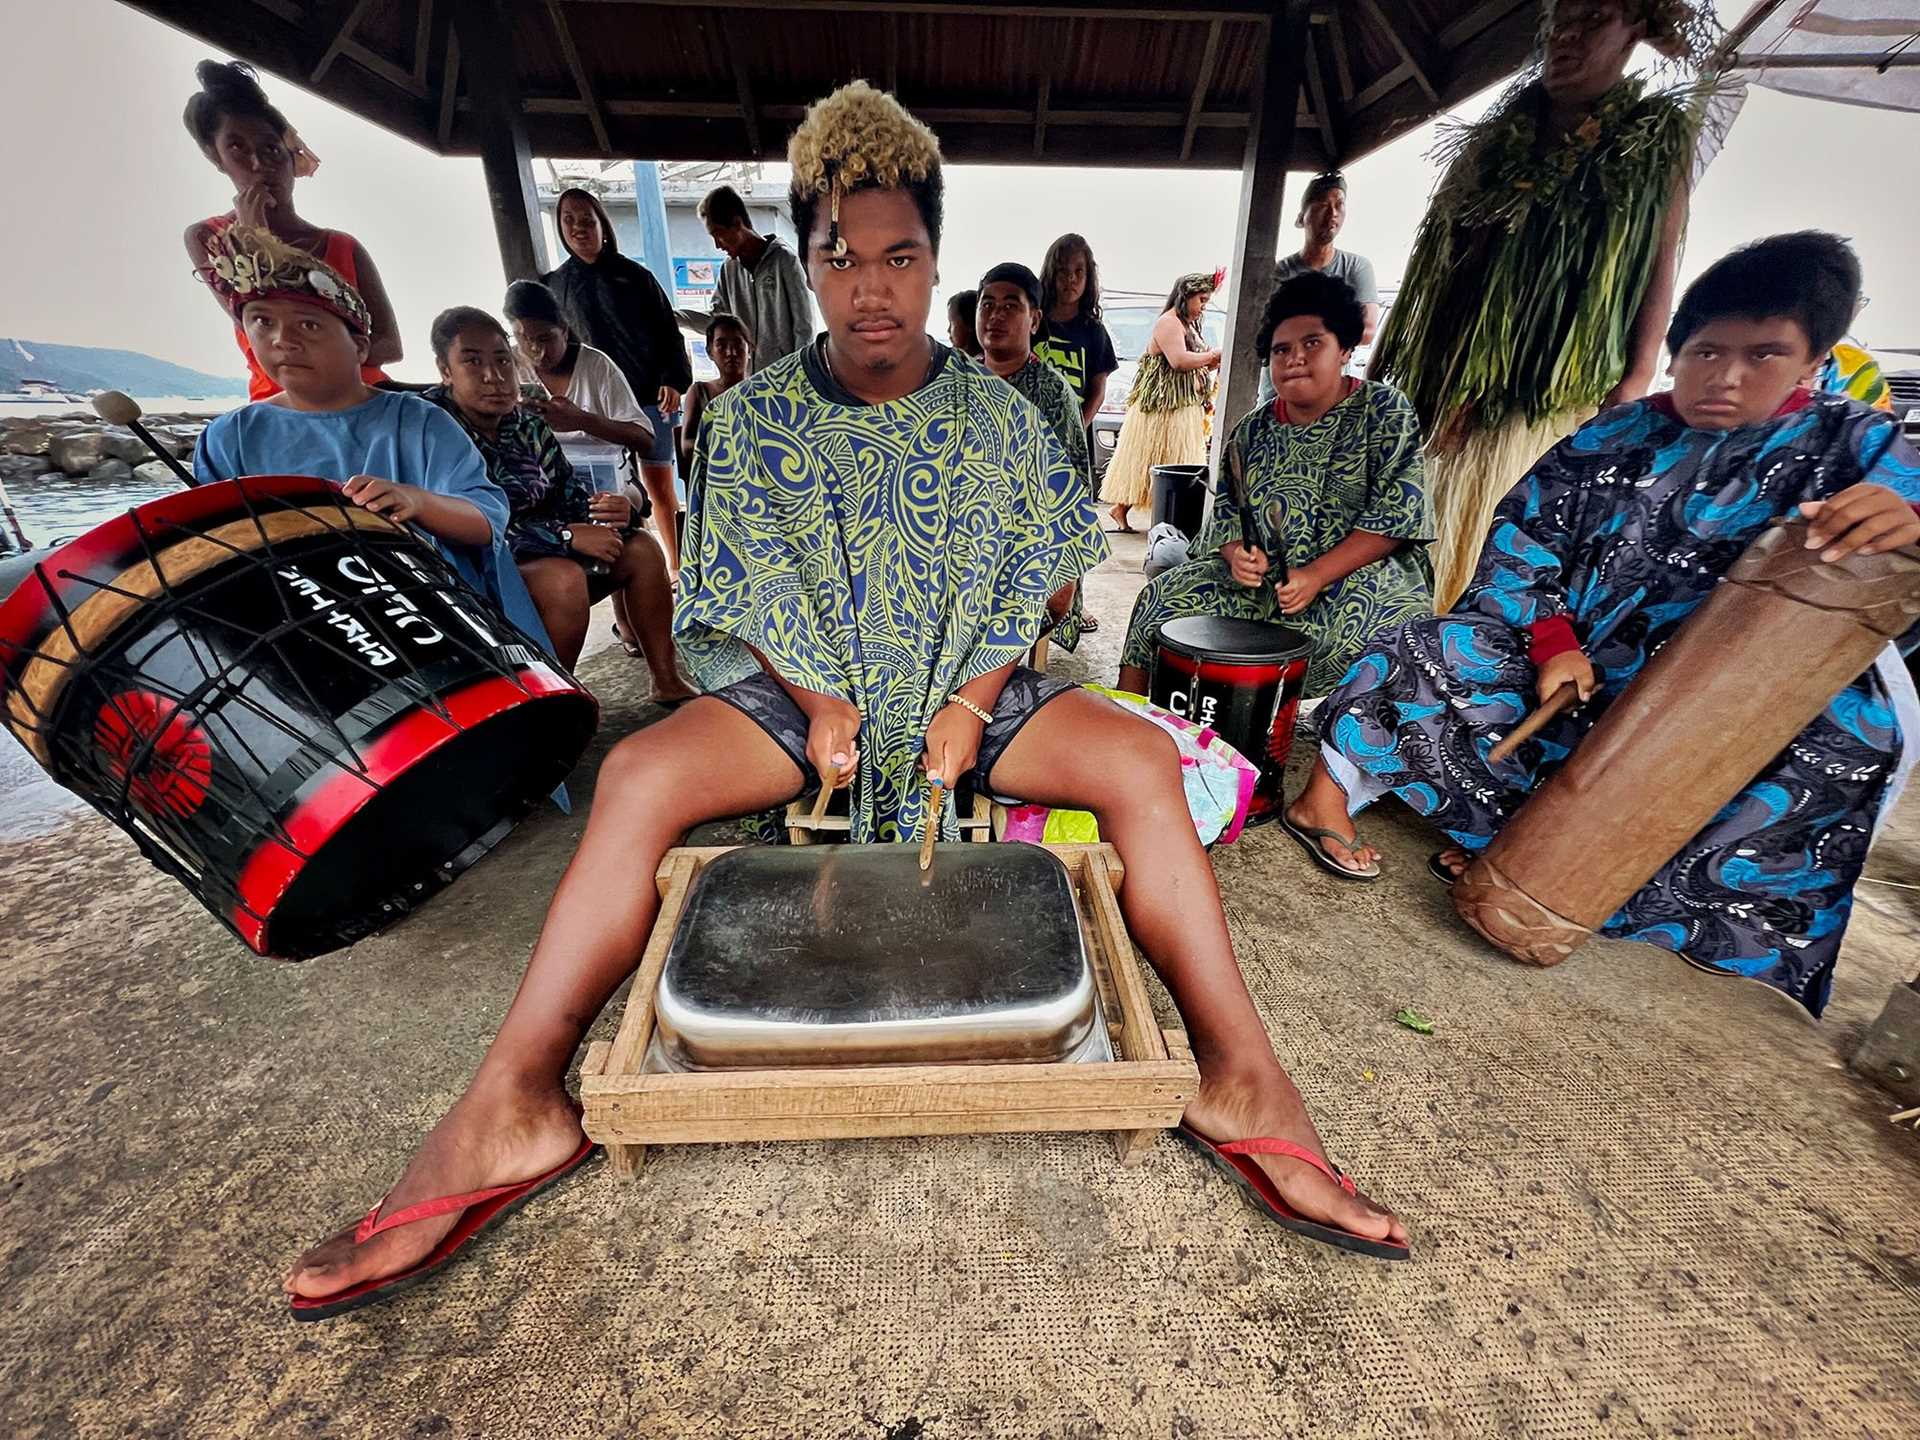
(1242, 678)
(292, 705)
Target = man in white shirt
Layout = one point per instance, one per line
(762, 281)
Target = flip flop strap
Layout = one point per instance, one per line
(1269, 1145)
(374, 1222)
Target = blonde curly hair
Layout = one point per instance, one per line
(860, 138)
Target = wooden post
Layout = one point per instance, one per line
(1263, 185)
(506, 155)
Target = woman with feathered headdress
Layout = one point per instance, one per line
(1172, 394)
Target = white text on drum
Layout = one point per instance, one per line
(402, 611)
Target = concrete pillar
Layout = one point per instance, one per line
(1263, 184)
(506, 156)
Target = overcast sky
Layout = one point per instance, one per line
(101, 180)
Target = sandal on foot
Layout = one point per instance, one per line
(1231, 1155)
(1088, 624)
(482, 1210)
(1441, 871)
(1310, 836)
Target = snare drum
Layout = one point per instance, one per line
(292, 705)
(1242, 679)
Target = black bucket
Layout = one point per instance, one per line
(1180, 497)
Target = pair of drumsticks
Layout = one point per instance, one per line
(936, 811)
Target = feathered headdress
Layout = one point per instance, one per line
(858, 138)
(245, 264)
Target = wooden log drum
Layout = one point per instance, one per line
(1762, 657)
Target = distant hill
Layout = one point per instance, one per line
(84, 367)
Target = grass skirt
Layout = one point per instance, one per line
(1149, 438)
(1469, 483)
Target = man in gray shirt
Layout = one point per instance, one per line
(762, 281)
(1323, 210)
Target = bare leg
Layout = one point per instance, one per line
(658, 480)
(1133, 679)
(515, 1120)
(641, 575)
(1075, 753)
(1323, 805)
(559, 589)
(1119, 514)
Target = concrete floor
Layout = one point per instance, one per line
(1644, 1201)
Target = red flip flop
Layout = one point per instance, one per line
(484, 1208)
(1251, 1178)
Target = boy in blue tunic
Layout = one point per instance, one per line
(1595, 560)
(398, 455)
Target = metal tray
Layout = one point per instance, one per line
(789, 957)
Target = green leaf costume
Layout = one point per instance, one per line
(1520, 295)
(886, 554)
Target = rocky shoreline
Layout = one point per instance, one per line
(79, 444)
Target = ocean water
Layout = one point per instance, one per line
(152, 404)
(57, 507)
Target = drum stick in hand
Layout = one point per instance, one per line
(936, 809)
(1562, 699)
(1276, 518)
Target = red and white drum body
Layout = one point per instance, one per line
(292, 706)
(1243, 679)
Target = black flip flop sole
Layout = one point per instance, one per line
(1320, 857)
(1307, 1229)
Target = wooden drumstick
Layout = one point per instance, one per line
(1564, 698)
(936, 808)
(823, 799)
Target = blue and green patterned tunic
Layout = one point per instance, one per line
(1053, 397)
(886, 554)
(1622, 530)
(1357, 467)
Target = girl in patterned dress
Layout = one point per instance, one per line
(1329, 474)
(1595, 560)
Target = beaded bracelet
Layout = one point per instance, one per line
(985, 716)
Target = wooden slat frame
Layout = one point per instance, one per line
(1136, 1096)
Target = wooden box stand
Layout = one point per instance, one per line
(1136, 1095)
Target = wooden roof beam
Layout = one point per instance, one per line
(1317, 89)
(742, 86)
(1342, 67)
(1200, 86)
(1410, 41)
(1248, 12)
(582, 81)
(342, 38)
(1040, 116)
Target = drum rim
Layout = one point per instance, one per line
(62, 579)
(1300, 648)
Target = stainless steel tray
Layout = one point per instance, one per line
(790, 957)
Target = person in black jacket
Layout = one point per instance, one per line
(614, 304)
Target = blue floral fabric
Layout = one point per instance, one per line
(1624, 528)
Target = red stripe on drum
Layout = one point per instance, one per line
(319, 816)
